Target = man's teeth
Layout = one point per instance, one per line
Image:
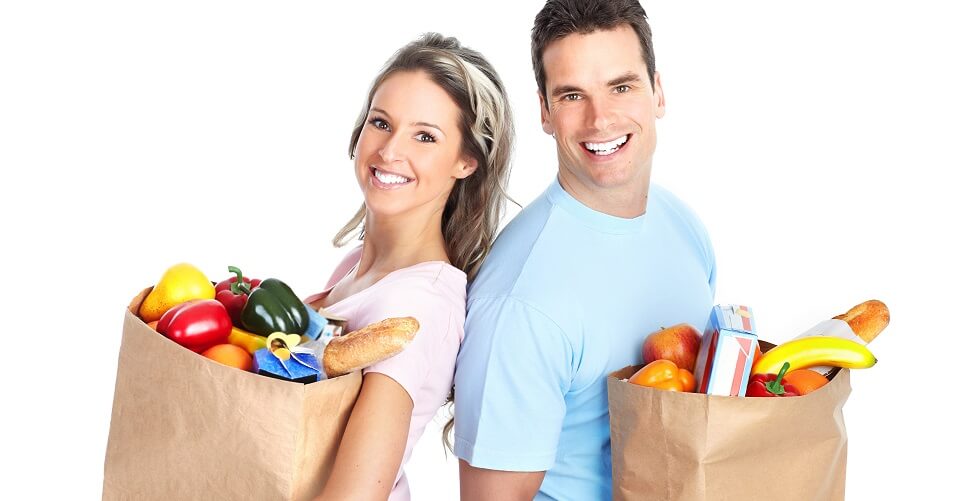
(606, 148)
(389, 178)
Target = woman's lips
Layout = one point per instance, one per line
(387, 180)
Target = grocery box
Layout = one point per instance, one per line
(726, 351)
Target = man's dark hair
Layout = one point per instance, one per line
(559, 18)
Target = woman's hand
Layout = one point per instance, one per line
(373, 444)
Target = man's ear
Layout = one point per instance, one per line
(658, 100)
(467, 166)
(545, 116)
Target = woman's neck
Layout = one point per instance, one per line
(392, 243)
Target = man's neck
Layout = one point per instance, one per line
(627, 201)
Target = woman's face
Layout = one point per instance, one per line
(408, 156)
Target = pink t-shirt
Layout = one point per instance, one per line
(434, 293)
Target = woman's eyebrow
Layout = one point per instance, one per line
(383, 112)
(419, 124)
(427, 124)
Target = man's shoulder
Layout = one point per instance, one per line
(515, 251)
(669, 207)
(670, 203)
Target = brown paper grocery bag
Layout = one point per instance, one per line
(186, 427)
(689, 446)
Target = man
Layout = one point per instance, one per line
(578, 279)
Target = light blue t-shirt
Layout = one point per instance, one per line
(566, 296)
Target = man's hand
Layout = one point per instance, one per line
(478, 484)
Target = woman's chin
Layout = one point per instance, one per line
(378, 207)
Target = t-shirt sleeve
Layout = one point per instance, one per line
(513, 372)
(411, 367)
(700, 233)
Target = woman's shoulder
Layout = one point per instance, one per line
(346, 264)
(430, 281)
(434, 293)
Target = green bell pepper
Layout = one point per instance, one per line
(273, 307)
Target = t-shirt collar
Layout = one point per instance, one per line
(593, 218)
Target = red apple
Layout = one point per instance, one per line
(679, 344)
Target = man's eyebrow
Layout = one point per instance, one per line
(565, 89)
(422, 124)
(627, 77)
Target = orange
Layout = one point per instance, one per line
(687, 380)
(805, 380)
(756, 356)
(231, 355)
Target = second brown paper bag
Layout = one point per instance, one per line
(694, 447)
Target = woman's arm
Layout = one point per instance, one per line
(374, 442)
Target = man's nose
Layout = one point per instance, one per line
(600, 113)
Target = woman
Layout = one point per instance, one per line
(431, 150)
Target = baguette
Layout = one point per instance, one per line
(867, 319)
(369, 345)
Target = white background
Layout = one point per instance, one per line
(816, 141)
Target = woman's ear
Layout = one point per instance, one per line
(467, 166)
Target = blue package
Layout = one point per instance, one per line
(300, 367)
(317, 324)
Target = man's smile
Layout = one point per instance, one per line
(607, 147)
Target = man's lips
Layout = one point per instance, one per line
(605, 148)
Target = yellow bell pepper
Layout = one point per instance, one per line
(247, 340)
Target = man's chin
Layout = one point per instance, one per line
(612, 177)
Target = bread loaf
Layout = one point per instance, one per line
(867, 319)
(369, 345)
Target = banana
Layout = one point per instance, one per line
(815, 350)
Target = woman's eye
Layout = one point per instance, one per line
(423, 137)
(620, 89)
(379, 123)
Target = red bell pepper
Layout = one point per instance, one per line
(196, 325)
(769, 385)
(233, 293)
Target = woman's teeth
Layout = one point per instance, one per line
(389, 178)
(606, 148)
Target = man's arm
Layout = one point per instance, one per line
(478, 484)
(514, 367)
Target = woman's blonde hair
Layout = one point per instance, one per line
(476, 203)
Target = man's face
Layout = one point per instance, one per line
(601, 108)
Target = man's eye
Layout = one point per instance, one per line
(620, 89)
(572, 97)
(379, 123)
(423, 137)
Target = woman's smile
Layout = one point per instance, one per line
(386, 180)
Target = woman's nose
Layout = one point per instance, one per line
(391, 150)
